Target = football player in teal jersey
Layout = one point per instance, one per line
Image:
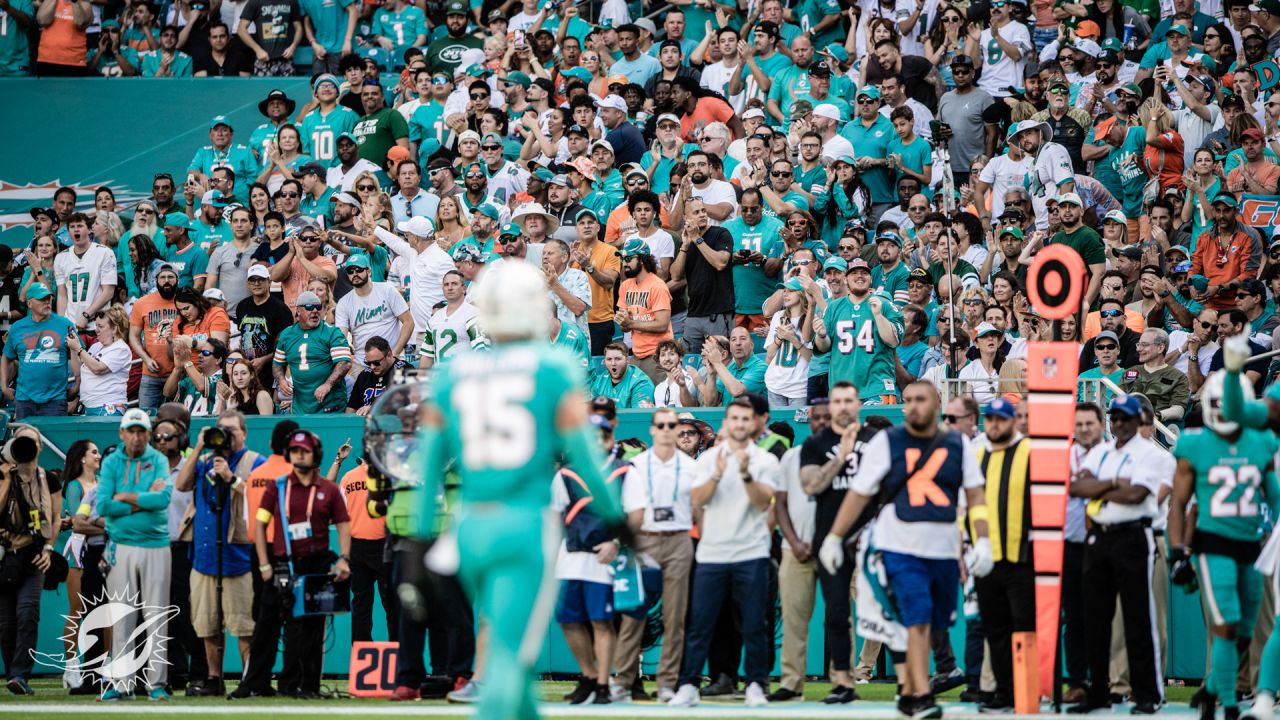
(1228, 470)
(508, 416)
(567, 335)
(322, 126)
(861, 330)
(1262, 414)
(317, 356)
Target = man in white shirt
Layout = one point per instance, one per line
(343, 175)
(657, 496)
(734, 487)
(372, 309)
(1122, 478)
(85, 274)
(428, 262)
(999, 174)
(1001, 51)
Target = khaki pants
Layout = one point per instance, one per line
(1160, 593)
(649, 366)
(674, 554)
(797, 583)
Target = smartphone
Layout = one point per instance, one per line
(519, 38)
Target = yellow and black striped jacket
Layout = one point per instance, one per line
(1008, 488)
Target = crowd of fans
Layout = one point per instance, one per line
(747, 207)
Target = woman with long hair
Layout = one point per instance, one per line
(244, 391)
(39, 266)
(878, 24)
(945, 40)
(551, 146)
(104, 374)
(323, 291)
(1115, 230)
(83, 549)
(1204, 181)
(259, 205)
(451, 220)
(970, 240)
(846, 199)
(788, 349)
(283, 158)
(366, 186)
(108, 228)
(1004, 288)
(198, 319)
(590, 60)
(145, 261)
(983, 372)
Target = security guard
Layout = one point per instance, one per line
(1122, 479)
(1007, 596)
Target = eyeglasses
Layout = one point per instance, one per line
(798, 223)
(1106, 347)
(490, 147)
(287, 194)
(367, 188)
(1111, 313)
(953, 19)
(955, 418)
(311, 308)
(665, 425)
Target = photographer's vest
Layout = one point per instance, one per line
(925, 488)
(238, 527)
(25, 511)
(583, 529)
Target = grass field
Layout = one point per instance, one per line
(51, 702)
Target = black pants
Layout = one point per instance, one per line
(303, 637)
(186, 652)
(835, 599)
(944, 656)
(1118, 563)
(20, 619)
(1076, 660)
(450, 620)
(601, 334)
(1006, 604)
(725, 653)
(369, 568)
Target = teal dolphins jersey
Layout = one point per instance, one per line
(1232, 480)
(311, 356)
(499, 410)
(857, 352)
(570, 337)
(237, 157)
(320, 133)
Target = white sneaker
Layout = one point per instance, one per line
(1263, 706)
(686, 696)
(72, 679)
(665, 694)
(755, 696)
(619, 694)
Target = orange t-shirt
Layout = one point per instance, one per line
(299, 277)
(605, 257)
(215, 320)
(620, 215)
(62, 43)
(355, 490)
(643, 300)
(155, 316)
(707, 110)
(1222, 268)
(260, 479)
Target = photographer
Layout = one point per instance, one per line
(222, 549)
(29, 502)
(309, 506)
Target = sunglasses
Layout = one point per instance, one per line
(145, 211)
(311, 308)
(687, 433)
(367, 188)
(1106, 347)
(1111, 313)
(999, 4)
(439, 81)
(1102, 65)
(918, 208)
(780, 173)
(475, 176)
(287, 195)
(1204, 325)
(801, 263)
(490, 147)
(1059, 91)
(866, 101)
(206, 353)
(849, 248)
(308, 238)
(480, 96)
(955, 418)
(973, 301)
(665, 425)
(953, 19)
(354, 270)
(163, 437)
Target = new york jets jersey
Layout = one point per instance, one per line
(450, 335)
(857, 352)
(1233, 480)
(310, 356)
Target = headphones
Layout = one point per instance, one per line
(318, 453)
(184, 434)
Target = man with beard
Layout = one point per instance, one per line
(1084, 240)
(1111, 317)
(476, 183)
(218, 58)
(870, 133)
(704, 260)
(1069, 125)
(228, 258)
(961, 112)
(1001, 51)
(209, 230)
(756, 258)
(261, 318)
(1052, 173)
(644, 307)
(150, 330)
(861, 331)
(505, 178)
(372, 309)
(327, 121)
(717, 198)
(891, 275)
(562, 206)
(342, 175)
(1223, 253)
(828, 461)
(163, 196)
(381, 127)
(443, 52)
(1257, 174)
(376, 377)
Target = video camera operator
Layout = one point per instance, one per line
(221, 547)
(29, 523)
(309, 506)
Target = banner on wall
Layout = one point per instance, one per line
(1261, 212)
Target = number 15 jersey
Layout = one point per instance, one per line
(857, 352)
(1230, 479)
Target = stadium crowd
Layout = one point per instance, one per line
(824, 207)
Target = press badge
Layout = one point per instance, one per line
(300, 531)
(664, 514)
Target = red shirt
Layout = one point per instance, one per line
(321, 502)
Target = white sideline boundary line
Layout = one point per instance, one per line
(817, 711)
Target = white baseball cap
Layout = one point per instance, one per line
(258, 271)
(827, 110)
(135, 417)
(613, 102)
(420, 226)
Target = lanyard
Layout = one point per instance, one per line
(1123, 461)
(675, 481)
(311, 499)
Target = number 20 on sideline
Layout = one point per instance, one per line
(373, 669)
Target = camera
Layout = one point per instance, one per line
(19, 450)
(217, 440)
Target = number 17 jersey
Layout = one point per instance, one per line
(1230, 480)
(857, 352)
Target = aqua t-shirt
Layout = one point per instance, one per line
(751, 287)
(43, 358)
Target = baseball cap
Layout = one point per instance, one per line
(1266, 6)
(870, 91)
(1151, 270)
(455, 7)
(1088, 47)
(1131, 88)
(646, 24)
(1177, 29)
(325, 78)
(986, 328)
(1014, 231)
(820, 69)
(634, 247)
(962, 59)
(397, 154)
(491, 137)
(38, 291)
(420, 226)
(258, 271)
(1133, 252)
(215, 295)
(313, 168)
(560, 179)
(518, 78)
(665, 117)
(800, 108)
(489, 210)
(754, 112)
(214, 198)
(47, 212)
(1178, 248)
(838, 52)
(579, 73)
(358, 260)
(469, 135)
(344, 197)
(1252, 132)
(1254, 287)
(1116, 216)
(768, 27)
(612, 80)
(889, 237)
(1226, 198)
(497, 15)
(1113, 45)
(605, 406)
(827, 110)
(1001, 408)
(920, 275)
(793, 284)
(302, 439)
(1070, 199)
(586, 212)
(220, 120)
(177, 220)
(135, 417)
(602, 144)
(306, 297)
(166, 267)
(577, 130)
(613, 102)
(1106, 335)
(1125, 405)
(835, 263)
(1088, 29)
(468, 252)
(858, 264)
(510, 230)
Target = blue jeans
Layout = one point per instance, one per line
(26, 408)
(750, 583)
(1043, 36)
(150, 393)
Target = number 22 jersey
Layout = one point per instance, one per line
(1230, 479)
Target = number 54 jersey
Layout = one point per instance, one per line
(499, 413)
(857, 352)
(1230, 479)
